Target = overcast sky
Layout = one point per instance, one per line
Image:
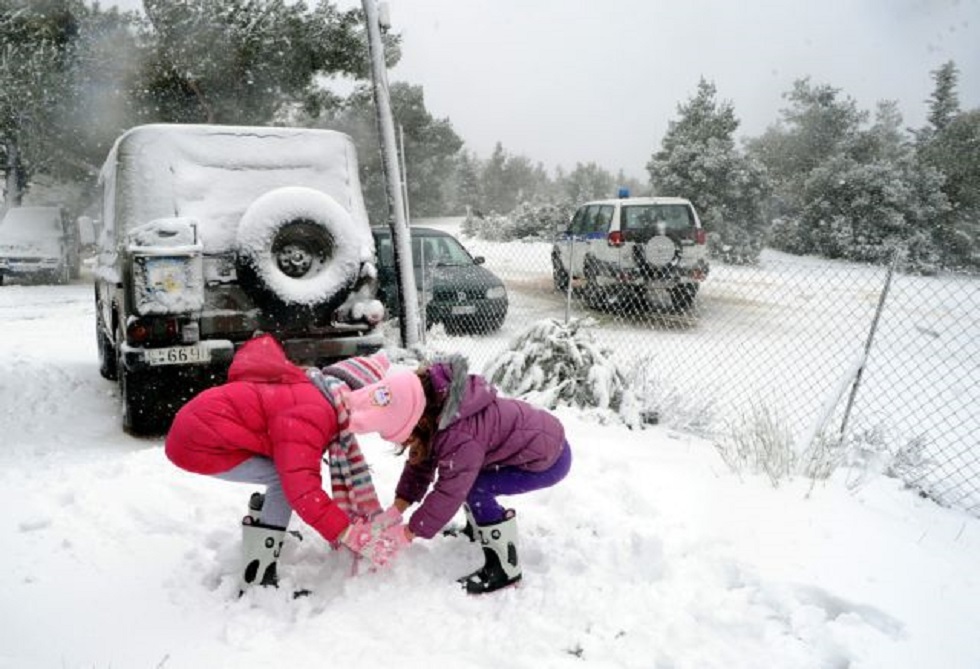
(568, 81)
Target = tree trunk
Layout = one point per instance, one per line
(12, 190)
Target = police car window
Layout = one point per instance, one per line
(677, 217)
(588, 225)
(602, 218)
(578, 221)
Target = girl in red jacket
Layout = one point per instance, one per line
(271, 424)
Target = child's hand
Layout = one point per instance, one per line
(376, 542)
(390, 516)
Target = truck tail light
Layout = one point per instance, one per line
(155, 331)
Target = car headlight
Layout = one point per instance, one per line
(496, 293)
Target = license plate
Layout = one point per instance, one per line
(464, 310)
(177, 355)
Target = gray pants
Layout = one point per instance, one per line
(276, 510)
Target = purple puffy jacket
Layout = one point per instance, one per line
(477, 430)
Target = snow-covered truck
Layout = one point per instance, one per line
(213, 233)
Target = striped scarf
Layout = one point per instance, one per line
(350, 477)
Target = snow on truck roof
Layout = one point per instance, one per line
(212, 173)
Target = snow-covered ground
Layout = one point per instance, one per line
(651, 554)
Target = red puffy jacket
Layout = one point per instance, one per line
(270, 408)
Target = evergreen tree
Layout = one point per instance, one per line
(467, 195)
(97, 105)
(507, 180)
(241, 61)
(816, 128)
(950, 144)
(35, 42)
(588, 182)
(846, 191)
(698, 160)
(944, 103)
(493, 182)
(431, 147)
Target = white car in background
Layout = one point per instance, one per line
(39, 244)
(631, 253)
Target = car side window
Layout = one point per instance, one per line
(602, 218)
(578, 222)
(417, 252)
(385, 253)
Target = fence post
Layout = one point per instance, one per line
(568, 281)
(869, 341)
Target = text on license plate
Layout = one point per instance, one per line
(464, 309)
(177, 355)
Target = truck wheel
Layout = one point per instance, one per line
(139, 417)
(593, 294)
(682, 296)
(559, 274)
(297, 253)
(136, 399)
(107, 355)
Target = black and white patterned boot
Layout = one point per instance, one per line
(261, 545)
(465, 531)
(501, 567)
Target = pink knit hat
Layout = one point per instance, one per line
(391, 407)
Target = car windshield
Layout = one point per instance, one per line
(441, 251)
(27, 225)
(675, 217)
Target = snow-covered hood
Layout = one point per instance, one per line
(19, 246)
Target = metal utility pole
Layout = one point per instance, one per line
(408, 313)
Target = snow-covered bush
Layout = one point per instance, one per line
(492, 227)
(553, 363)
(541, 221)
(654, 399)
(759, 441)
(527, 221)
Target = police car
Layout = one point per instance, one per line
(633, 253)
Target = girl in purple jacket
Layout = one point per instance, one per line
(469, 446)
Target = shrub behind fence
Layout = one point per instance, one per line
(785, 338)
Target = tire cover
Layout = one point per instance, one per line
(660, 251)
(273, 210)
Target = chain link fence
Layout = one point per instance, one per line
(782, 343)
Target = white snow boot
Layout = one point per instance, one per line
(467, 530)
(501, 567)
(261, 545)
(255, 503)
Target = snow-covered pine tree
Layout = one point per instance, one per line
(699, 160)
(553, 363)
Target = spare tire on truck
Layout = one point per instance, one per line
(296, 255)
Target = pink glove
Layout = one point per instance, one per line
(375, 542)
(390, 516)
(392, 541)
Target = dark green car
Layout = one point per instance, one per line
(456, 290)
